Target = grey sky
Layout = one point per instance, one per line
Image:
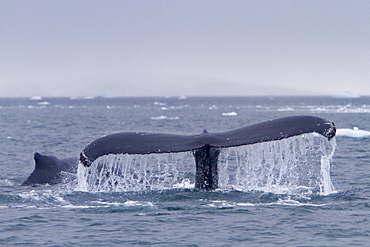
(169, 48)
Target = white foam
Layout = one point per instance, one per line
(159, 118)
(138, 203)
(230, 114)
(6, 182)
(291, 202)
(353, 133)
(70, 206)
(128, 203)
(184, 184)
(221, 204)
(164, 118)
(164, 108)
(245, 204)
(43, 196)
(286, 109)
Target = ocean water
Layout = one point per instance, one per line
(309, 196)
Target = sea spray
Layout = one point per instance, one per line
(294, 165)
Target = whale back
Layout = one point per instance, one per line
(48, 169)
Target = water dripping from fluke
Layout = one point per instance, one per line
(295, 165)
(125, 172)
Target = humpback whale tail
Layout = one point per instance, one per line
(205, 146)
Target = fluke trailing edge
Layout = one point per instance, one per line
(205, 146)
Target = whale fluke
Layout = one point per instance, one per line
(205, 146)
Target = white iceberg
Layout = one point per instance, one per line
(36, 98)
(353, 133)
(346, 95)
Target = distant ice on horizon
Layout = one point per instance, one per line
(353, 133)
(346, 95)
(36, 98)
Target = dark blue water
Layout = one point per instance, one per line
(61, 215)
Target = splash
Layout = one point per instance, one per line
(298, 164)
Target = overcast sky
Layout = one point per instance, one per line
(171, 48)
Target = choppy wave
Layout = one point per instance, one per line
(165, 108)
(171, 200)
(333, 105)
(348, 108)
